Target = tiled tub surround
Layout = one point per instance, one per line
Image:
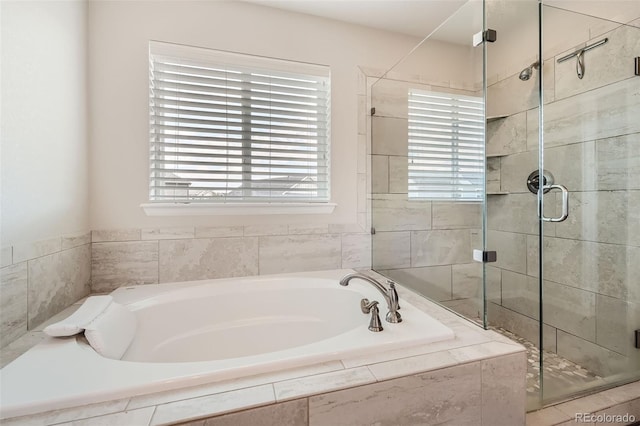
(151, 256)
(38, 280)
(592, 260)
(477, 378)
(427, 245)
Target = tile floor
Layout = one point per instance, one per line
(557, 370)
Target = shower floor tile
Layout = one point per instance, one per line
(559, 373)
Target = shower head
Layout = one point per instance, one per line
(525, 74)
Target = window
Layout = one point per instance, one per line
(231, 128)
(446, 146)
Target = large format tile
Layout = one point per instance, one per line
(356, 251)
(466, 280)
(115, 264)
(514, 170)
(167, 233)
(75, 239)
(105, 235)
(69, 414)
(379, 174)
(390, 98)
(389, 136)
(450, 395)
(521, 294)
(616, 321)
(13, 302)
(391, 250)
(597, 359)
(504, 390)
(511, 250)
(519, 213)
(140, 417)
(398, 175)
(397, 213)
(296, 253)
(198, 259)
(522, 326)
(603, 216)
(602, 268)
(33, 250)
(211, 405)
(597, 114)
(507, 136)
(290, 413)
(570, 309)
(456, 215)
(313, 385)
(413, 365)
(617, 162)
(219, 231)
(440, 247)
(605, 65)
(56, 281)
(433, 282)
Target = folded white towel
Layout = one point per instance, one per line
(111, 332)
(76, 322)
(108, 326)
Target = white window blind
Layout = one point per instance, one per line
(446, 146)
(226, 127)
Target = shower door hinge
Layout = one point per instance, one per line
(484, 256)
(488, 35)
(637, 333)
(373, 230)
(373, 111)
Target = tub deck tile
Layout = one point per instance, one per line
(231, 385)
(484, 351)
(413, 365)
(68, 414)
(211, 405)
(140, 417)
(313, 385)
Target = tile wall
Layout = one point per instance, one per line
(592, 260)
(40, 279)
(423, 244)
(150, 256)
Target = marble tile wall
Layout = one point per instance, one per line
(193, 254)
(592, 146)
(40, 279)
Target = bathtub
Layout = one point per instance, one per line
(198, 332)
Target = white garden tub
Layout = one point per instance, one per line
(204, 331)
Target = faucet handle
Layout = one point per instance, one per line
(365, 305)
(393, 293)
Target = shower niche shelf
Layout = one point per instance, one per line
(496, 118)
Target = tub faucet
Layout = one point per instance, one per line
(390, 294)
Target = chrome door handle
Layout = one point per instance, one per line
(565, 203)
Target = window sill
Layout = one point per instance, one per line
(209, 209)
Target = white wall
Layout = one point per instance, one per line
(118, 71)
(44, 120)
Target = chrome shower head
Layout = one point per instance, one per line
(525, 74)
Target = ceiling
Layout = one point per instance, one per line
(455, 20)
(412, 17)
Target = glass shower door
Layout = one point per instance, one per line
(427, 166)
(589, 244)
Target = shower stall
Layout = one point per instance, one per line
(507, 187)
